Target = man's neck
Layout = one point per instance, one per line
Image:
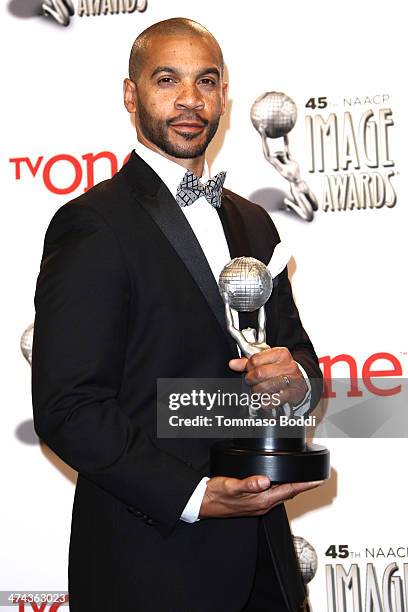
(195, 164)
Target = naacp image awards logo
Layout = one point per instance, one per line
(62, 11)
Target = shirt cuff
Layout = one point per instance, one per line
(192, 508)
(304, 405)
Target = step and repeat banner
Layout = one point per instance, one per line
(327, 82)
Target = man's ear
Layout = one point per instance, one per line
(129, 95)
(224, 97)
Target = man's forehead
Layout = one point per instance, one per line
(168, 50)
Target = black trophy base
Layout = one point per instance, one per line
(312, 462)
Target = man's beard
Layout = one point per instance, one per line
(156, 131)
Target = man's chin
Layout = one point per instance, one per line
(185, 152)
(187, 145)
(188, 154)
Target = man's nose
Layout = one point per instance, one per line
(189, 97)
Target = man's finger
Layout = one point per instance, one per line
(290, 489)
(269, 374)
(275, 354)
(238, 365)
(292, 396)
(251, 484)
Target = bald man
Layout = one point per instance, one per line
(127, 294)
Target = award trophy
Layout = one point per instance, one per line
(273, 115)
(245, 285)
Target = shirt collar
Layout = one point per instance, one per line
(169, 171)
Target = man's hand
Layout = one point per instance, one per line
(273, 371)
(253, 496)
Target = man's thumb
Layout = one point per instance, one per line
(255, 484)
(238, 365)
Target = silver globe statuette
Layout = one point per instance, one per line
(273, 115)
(246, 285)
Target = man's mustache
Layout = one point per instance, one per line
(188, 117)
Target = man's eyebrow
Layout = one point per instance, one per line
(172, 70)
(210, 70)
(163, 69)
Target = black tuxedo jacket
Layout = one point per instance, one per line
(125, 296)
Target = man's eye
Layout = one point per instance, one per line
(166, 80)
(207, 81)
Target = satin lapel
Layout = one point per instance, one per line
(158, 202)
(234, 229)
(239, 246)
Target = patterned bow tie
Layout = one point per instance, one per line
(191, 188)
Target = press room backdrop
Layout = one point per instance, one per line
(64, 128)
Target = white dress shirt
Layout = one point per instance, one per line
(206, 225)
